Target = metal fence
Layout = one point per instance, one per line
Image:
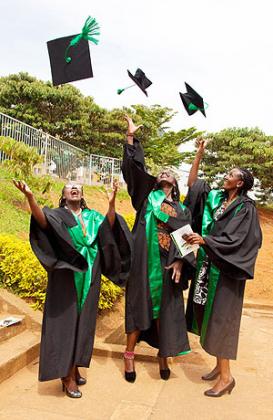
(61, 159)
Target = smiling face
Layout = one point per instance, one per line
(72, 193)
(233, 180)
(165, 177)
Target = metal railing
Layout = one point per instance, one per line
(61, 159)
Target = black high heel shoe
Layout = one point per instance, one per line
(228, 389)
(164, 373)
(129, 376)
(79, 379)
(210, 376)
(69, 393)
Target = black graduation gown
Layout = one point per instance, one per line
(173, 337)
(232, 246)
(67, 335)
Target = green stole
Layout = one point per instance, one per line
(214, 200)
(155, 275)
(87, 246)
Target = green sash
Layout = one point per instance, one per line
(155, 275)
(87, 246)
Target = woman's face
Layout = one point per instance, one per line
(233, 180)
(165, 177)
(73, 192)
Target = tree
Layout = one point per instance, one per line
(248, 148)
(66, 114)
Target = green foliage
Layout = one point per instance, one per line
(21, 272)
(248, 148)
(130, 220)
(65, 113)
(22, 157)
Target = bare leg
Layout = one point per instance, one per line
(131, 343)
(70, 380)
(225, 382)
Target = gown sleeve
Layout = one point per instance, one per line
(115, 245)
(234, 249)
(195, 202)
(139, 182)
(53, 246)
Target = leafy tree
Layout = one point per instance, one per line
(248, 148)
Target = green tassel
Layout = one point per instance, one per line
(192, 107)
(119, 91)
(89, 31)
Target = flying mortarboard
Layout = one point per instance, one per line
(140, 80)
(70, 57)
(192, 101)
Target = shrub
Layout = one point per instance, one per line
(21, 272)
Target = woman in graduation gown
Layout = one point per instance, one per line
(229, 241)
(154, 292)
(75, 245)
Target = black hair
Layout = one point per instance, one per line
(248, 180)
(62, 201)
(175, 190)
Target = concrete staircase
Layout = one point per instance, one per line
(19, 343)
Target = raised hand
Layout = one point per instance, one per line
(201, 144)
(111, 194)
(132, 128)
(23, 187)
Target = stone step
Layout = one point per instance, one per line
(12, 330)
(17, 352)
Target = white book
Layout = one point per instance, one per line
(183, 247)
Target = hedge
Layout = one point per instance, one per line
(21, 272)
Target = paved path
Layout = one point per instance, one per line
(108, 396)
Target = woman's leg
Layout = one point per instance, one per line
(132, 338)
(69, 381)
(225, 382)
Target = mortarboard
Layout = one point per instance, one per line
(192, 101)
(70, 57)
(140, 80)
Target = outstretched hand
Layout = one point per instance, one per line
(111, 193)
(23, 187)
(201, 145)
(132, 128)
(176, 266)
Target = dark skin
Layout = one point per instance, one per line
(166, 182)
(72, 194)
(232, 185)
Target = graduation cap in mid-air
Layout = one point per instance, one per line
(70, 56)
(140, 80)
(192, 101)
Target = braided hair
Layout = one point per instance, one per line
(62, 201)
(248, 180)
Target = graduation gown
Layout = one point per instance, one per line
(74, 277)
(231, 246)
(148, 275)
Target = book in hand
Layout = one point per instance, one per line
(6, 322)
(183, 247)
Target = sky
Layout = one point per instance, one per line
(222, 48)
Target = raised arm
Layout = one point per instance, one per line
(36, 211)
(111, 213)
(193, 175)
(139, 182)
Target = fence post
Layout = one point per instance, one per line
(90, 169)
